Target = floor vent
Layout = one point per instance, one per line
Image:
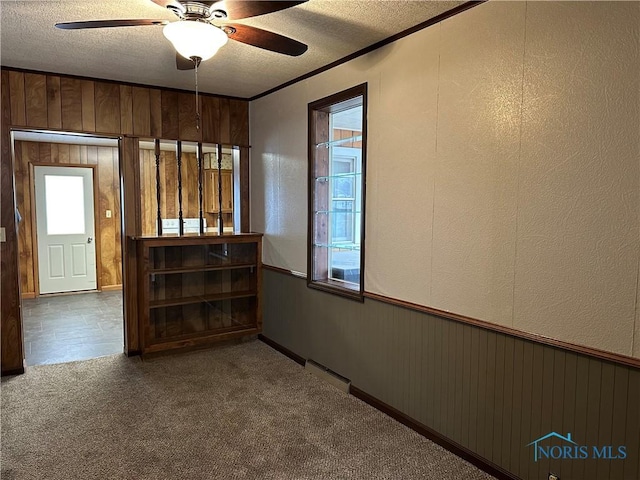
(327, 375)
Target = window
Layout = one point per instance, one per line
(337, 146)
(64, 202)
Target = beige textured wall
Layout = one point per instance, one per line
(503, 165)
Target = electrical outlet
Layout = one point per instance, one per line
(553, 477)
(108, 214)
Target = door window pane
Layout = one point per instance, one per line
(64, 196)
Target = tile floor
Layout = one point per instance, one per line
(66, 328)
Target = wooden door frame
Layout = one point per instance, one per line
(127, 181)
(129, 163)
(34, 233)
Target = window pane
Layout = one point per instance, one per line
(64, 196)
(341, 166)
(342, 221)
(337, 132)
(343, 187)
(345, 265)
(344, 168)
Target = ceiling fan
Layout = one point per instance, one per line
(202, 28)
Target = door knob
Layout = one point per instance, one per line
(89, 240)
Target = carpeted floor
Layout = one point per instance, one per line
(236, 411)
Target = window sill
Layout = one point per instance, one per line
(352, 292)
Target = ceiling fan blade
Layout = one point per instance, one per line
(264, 39)
(184, 63)
(109, 23)
(237, 9)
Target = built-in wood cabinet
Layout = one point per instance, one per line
(196, 290)
(211, 201)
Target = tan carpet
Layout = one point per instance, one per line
(238, 411)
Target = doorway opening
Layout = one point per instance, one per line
(70, 245)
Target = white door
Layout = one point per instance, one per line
(65, 229)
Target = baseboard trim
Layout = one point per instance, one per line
(283, 350)
(455, 448)
(107, 288)
(111, 288)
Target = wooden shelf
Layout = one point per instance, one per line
(188, 341)
(173, 302)
(197, 335)
(203, 268)
(176, 267)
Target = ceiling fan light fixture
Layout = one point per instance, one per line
(195, 39)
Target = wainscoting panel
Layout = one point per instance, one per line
(489, 392)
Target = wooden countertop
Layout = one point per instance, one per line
(197, 237)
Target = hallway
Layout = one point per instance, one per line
(66, 328)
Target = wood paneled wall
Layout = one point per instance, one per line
(64, 103)
(489, 392)
(108, 187)
(59, 102)
(169, 205)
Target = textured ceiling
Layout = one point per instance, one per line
(332, 28)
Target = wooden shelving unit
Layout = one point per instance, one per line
(198, 289)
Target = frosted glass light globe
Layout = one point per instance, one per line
(195, 39)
